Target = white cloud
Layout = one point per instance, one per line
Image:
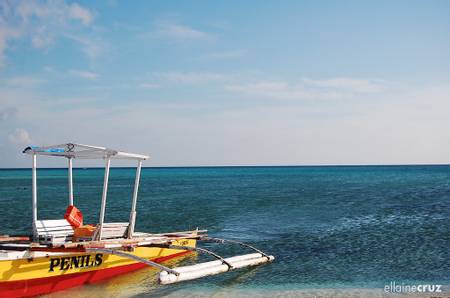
(149, 86)
(305, 88)
(6, 35)
(89, 47)
(57, 12)
(182, 32)
(226, 55)
(49, 69)
(41, 22)
(308, 88)
(272, 89)
(187, 77)
(19, 137)
(351, 84)
(7, 113)
(84, 74)
(24, 81)
(80, 13)
(41, 39)
(176, 32)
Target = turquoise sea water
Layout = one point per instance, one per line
(355, 227)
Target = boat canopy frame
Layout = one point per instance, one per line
(80, 151)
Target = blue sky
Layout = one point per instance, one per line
(228, 82)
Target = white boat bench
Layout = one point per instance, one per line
(53, 231)
(112, 230)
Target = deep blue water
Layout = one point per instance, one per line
(355, 226)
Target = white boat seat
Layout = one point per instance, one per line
(53, 231)
(112, 230)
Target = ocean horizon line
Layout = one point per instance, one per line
(242, 166)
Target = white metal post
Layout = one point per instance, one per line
(34, 190)
(133, 205)
(70, 182)
(105, 191)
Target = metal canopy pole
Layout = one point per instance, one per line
(34, 192)
(105, 191)
(133, 205)
(70, 182)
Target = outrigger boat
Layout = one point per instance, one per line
(64, 253)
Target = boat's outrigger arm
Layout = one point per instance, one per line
(132, 257)
(197, 249)
(218, 240)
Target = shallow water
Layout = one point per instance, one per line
(333, 230)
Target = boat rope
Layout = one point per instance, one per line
(218, 240)
(197, 249)
(132, 257)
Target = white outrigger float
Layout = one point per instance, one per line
(63, 253)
